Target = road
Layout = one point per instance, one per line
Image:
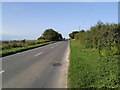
(43, 67)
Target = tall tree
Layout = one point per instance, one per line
(51, 35)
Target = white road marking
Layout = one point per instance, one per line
(2, 71)
(39, 54)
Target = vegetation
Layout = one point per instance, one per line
(22, 43)
(20, 49)
(72, 35)
(51, 35)
(103, 37)
(88, 70)
(11, 47)
(95, 55)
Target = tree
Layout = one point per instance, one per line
(72, 35)
(60, 36)
(51, 35)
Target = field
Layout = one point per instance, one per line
(11, 47)
(88, 69)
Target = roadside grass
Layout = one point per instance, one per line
(87, 69)
(20, 49)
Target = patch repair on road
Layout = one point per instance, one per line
(57, 64)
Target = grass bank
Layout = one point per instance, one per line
(20, 49)
(87, 69)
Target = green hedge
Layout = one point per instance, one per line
(103, 37)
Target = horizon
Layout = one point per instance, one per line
(28, 20)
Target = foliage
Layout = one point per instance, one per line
(95, 55)
(103, 37)
(88, 70)
(51, 35)
(22, 43)
(72, 35)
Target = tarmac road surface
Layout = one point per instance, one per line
(42, 67)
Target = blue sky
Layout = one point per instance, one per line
(28, 20)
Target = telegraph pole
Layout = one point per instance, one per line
(79, 28)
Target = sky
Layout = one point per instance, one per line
(28, 20)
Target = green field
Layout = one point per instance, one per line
(12, 47)
(88, 69)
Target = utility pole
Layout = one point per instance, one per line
(79, 28)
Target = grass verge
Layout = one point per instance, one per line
(20, 49)
(87, 69)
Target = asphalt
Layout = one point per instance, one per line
(43, 67)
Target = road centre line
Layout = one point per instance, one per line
(39, 54)
(2, 71)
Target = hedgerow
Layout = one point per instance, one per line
(94, 57)
(103, 37)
